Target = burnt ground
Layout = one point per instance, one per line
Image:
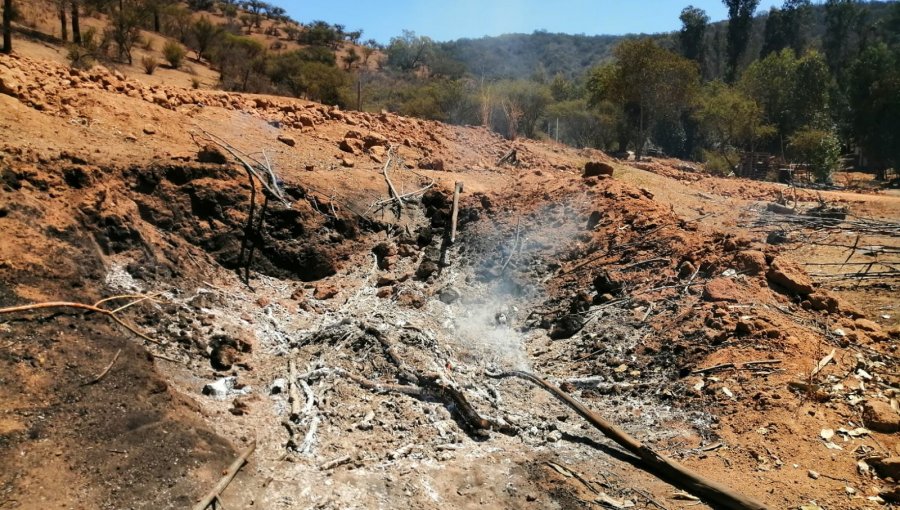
(623, 290)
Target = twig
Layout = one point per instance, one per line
(335, 463)
(514, 246)
(105, 370)
(229, 475)
(391, 190)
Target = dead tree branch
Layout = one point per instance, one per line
(229, 475)
(91, 308)
(660, 465)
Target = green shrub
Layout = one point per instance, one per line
(149, 64)
(818, 148)
(174, 54)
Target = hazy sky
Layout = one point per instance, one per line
(451, 19)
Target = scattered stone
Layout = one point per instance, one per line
(287, 140)
(723, 289)
(223, 356)
(278, 386)
(597, 168)
(211, 154)
(449, 295)
(225, 387)
(566, 327)
(149, 130)
(385, 292)
(347, 163)
(880, 417)
(790, 277)
(604, 284)
(348, 146)
(431, 164)
(426, 269)
(752, 262)
(867, 325)
(325, 291)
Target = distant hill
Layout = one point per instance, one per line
(522, 55)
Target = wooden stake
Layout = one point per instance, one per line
(453, 217)
(223, 483)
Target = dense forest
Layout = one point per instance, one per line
(805, 83)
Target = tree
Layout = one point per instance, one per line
(351, 58)
(648, 82)
(786, 27)
(874, 97)
(844, 22)
(256, 8)
(61, 9)
(125, 27)
(693, 30)
(7, 26)
(409, 52)
(731, 121)
(792, 92)
(740, 24)
(204, 33)
(76, 22)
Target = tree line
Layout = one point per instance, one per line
(801, 82)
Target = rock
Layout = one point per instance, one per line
(385, 281)
(566, 327)
(891, 494)
(375, 139)
(752, 262)
(426, 269)
(306, 121)
(886, 468)
(278, 386)
(347, 145)
(431, 164)
(597, 168)
(211, 154)
(149, 130)
(449, 295)
(880, 417)
(223, 357)
(129, 137)
(325, 291)
(867, 325)
(603, 284)
(789, 276)
(287, 140)
(347, 163)
(385, 292)
(593, 220)
(225, 387)
(723, 289)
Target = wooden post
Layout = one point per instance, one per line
(455, 214)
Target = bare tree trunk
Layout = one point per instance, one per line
(64, 27)
(76, 24)
(7, 26)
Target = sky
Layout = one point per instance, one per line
(444, 20)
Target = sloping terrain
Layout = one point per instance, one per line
(644, 294)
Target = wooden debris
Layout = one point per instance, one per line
(455, 213)
(229, 475)
(660, 465)
(823, 363)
